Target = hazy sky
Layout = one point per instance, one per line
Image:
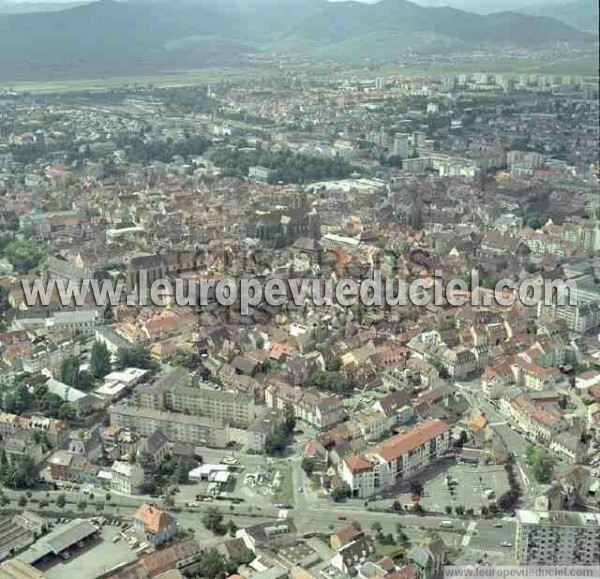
(472, 5)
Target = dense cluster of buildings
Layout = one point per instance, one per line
(418, 179)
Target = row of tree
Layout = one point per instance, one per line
(286, 166)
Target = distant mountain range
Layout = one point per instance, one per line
(15, 7)
(580, 14)
(147, 36)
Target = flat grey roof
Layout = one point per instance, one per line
(58, 540)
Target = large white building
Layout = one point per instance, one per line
(176, 427)
(172, 393)
(557, 538)
(126, 478)
(396, 459)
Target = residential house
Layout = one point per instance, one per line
(155, 525)
(127, 478)
(155, 447)
(429, 558)
(352, 554)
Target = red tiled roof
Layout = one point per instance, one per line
(536, 412)
(402, 444)
(357, 464)
(154, 520)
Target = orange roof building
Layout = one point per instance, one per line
(155, 525)
(403, 444)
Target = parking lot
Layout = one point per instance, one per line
(101, 556)
(469, 484)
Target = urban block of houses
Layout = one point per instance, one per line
(317, 409)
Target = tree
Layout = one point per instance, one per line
(331, 381)
(403, 538)
(50, 404)
(232, 527)
(448, 509)
(108, 315)
(340, 493)
(212, 565)
(25, 472)
(397, 507)
(334, 365)
(66, 412)
(542, 464)
(462, 439)
(22, 502)
(69, 370)
(277, 442)
(308, 466)
(85, 381)
(290, 419)
(107, 497)
(23, 255)
(376, 527)
(185, 359)
(416, 487)
(137, 357)
(99, 360)
(213, 521)
(417, 509)
(508, 501)
(82, 505)
(61, 501)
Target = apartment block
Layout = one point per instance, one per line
(176, 427)
(169, 394)
(557, 538)
(396, 459)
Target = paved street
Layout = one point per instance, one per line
(513, 441)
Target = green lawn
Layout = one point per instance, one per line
(167, 79)
(392, 551)
(581, 66)
(285, 493)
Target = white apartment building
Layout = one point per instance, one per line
(126, 478)
(170, 393)
(396, 459)
(176, 427)
(557, 538)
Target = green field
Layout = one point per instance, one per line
(167, 79)
(580, 66)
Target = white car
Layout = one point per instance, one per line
(506, 544)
